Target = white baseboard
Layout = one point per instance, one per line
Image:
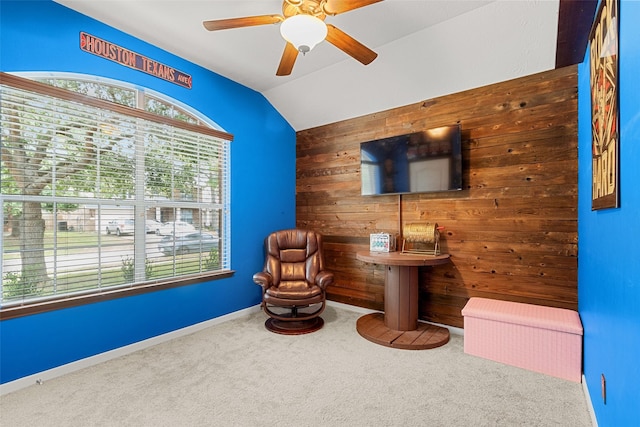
(49, 374)
(587, 396)
(350, 307)
(452, 329)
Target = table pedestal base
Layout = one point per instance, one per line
(372, 327)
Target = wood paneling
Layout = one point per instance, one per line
(512, 230)
(575, 18)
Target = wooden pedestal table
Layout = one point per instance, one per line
(398, 327)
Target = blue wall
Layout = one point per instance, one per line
(609, 247)
(44, 36)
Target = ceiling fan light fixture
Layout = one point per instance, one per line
(303, 31)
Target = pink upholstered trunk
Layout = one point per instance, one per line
(542, 339)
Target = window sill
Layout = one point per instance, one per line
(12, 312)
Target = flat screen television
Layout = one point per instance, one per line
(420, 162)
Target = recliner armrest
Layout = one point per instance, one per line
(324, 279)
(263, 279)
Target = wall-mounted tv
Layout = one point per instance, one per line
(420, 162)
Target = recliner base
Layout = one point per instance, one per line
(294, 327)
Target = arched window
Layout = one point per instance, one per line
(124, 94)
(107, 187)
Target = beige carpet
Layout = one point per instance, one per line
(238, 374)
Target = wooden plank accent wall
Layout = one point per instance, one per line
(511, 231)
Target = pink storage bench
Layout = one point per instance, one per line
(534, 337)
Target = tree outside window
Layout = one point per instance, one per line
(93, 192)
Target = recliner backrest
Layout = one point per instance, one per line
(294, 255)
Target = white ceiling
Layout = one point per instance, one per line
(426, 48)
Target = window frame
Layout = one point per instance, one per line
(104, 294)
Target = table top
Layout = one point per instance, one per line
(400, 258)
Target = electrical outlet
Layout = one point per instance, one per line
(603, 385)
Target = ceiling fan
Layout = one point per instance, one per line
(302, 26)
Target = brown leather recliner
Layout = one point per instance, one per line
(293, 281)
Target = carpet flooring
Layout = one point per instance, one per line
(238, 374)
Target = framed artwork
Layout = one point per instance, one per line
(605, 112)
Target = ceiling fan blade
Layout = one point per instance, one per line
(288, 59)
(333, 7)
(248, 21)
(349, 45)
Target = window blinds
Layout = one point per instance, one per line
(97, 196)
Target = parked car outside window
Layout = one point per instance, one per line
(187, 243)
(175, 228)
(120, 226)
(152, 226)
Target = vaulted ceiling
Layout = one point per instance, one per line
(426, 48)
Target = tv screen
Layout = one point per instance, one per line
(420, 162)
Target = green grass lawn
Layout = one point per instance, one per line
(71, 241)
(70, 281)
(115, 276)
